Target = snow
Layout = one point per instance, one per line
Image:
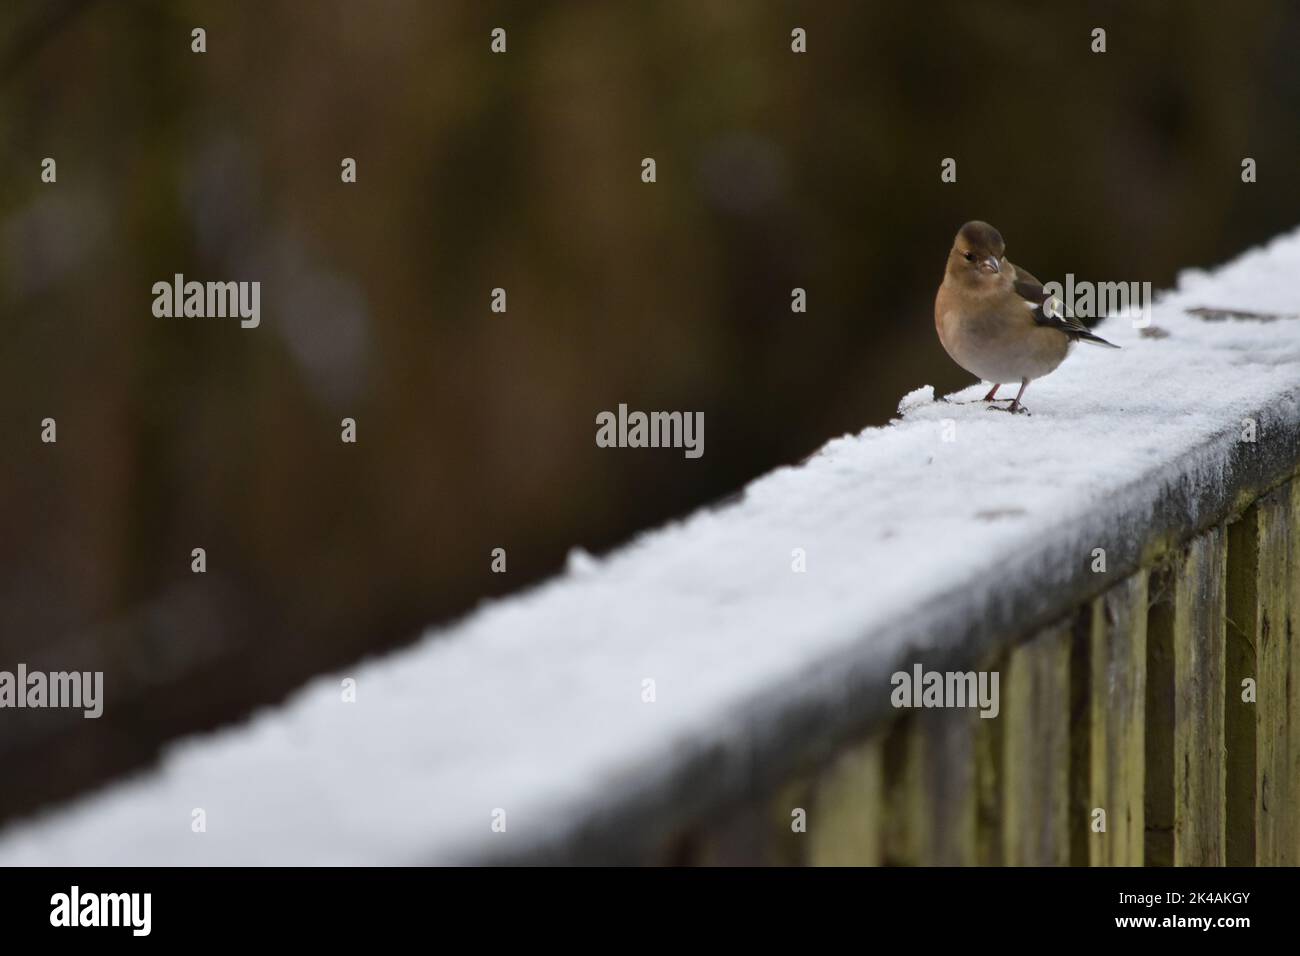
(534, 704)
(916, 398)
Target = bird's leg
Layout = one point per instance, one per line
(1015, 406)
(992, 392)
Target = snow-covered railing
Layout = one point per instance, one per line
(1119, 573)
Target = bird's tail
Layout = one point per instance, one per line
(1084, 335)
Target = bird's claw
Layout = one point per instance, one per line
(1015, 408)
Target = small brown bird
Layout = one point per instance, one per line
(994, 318)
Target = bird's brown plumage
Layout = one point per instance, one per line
(993, 318)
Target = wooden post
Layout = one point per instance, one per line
(846, 813)
(1036, 751)
(1115, 698)
(1277, 781)
(1200, 580)
(930, 772)
(758, 832)
(1241, 663)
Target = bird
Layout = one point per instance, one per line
(995, 320)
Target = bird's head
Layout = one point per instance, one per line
(978, 254)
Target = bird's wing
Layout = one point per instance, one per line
(1048, 310)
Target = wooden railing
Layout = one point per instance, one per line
(1157, 724)
(1126, 562)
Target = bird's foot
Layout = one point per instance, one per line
(1015, 408)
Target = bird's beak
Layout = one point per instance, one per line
(992, 263)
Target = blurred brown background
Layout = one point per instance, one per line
(476, 430)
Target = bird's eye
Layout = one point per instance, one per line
(970, 257)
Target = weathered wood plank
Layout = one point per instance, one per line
(1036, 751)
(1080, 737)
(1158, 785)
(1277, 787)
(783, 841)
(1241, 664)
(1263, 772)
(1289, 846)
(1289, 851)
(758, 832)
(930, 768)
(831, 817)
(990, 741)
(1116, 718)
(846, 816)
(1200, 582)
(948, 745)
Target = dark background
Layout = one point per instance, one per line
(476, 430)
